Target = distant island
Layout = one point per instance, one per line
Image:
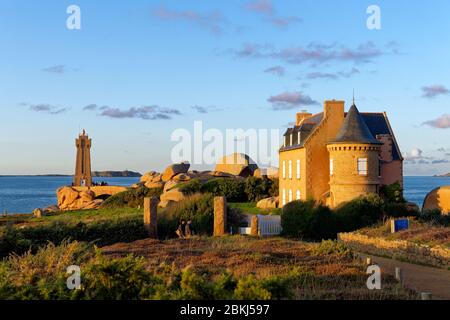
(104, 174)
(116, 174)
(443, 175)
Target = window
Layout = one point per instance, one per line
(283, 201)
(298, 168)
(298, 195)
(285, 141)
(298, 137)
(290, 195)
(331, 167)
(362, 166)
(291, 138)
(290, 169)
(284, 169)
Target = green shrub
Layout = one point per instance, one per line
(190, 187)
(308, 220)
(103, 232)
(199, 208)
(257, 188)
(232, 189)
(398, 210)
(330, 247)
(274, 188)
(116, 279)
(360, 212)
(434, 216)
(132, 198)
(249, 288)
(392, 193)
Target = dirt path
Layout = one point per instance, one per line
(417, 277)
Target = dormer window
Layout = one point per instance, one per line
(285, 141)
(292, 135)
(298, 137)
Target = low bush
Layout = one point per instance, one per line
(332, 247)
(392, 193)
(308, 220)
(360, 212)
(434, 216)
(42, 276)
(199, 208)
(132, 198)
(313, 221)
(102, 232)
(235, 190)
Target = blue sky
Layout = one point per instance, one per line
(146, 68)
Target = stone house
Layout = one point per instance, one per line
(335, 156)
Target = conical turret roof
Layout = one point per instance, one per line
(354, 129)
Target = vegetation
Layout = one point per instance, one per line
(199, 208)
(419, 232)
(308, 220)
(251, 208)
(209, 268)
(235, 190)
(132, 198)
(313, 221)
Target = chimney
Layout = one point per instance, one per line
(302, 116)
(333, 108)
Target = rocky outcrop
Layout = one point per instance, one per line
(81, 198)
(268, 203)
(173, 195)
(439, 199)
(237, 164)
(271, 173)
(175, 169)
(150, 176)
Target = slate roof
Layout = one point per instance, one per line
(355, 130)
(375, 121)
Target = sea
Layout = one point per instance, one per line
(22, 194)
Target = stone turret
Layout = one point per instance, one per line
(354, 160)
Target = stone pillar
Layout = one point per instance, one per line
(399, 275)
(151, 216)
(254, 226)
(220, 216)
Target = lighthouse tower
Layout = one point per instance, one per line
(354, 160)
(83, 175)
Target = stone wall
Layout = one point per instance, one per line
(437, 256)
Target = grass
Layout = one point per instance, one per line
(250, 208)
(328, 270)
(420, 233)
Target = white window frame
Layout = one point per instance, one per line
(298, 137)
(298, 169)
(290, 169)
(292, 135)
(298, 195)
(362, 166)
(283, 199)
(284, 169)
(290, 195)
(331, 166)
